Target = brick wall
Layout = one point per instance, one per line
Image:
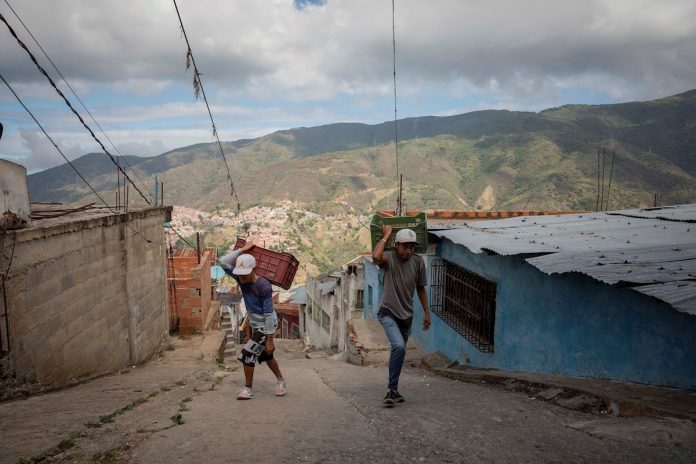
(85, 297)
(189, 289)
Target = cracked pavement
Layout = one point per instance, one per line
(332, 413)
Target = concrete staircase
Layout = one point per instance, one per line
(368, 345)
(228, 349)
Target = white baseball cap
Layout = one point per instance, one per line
(406, 236)
(245, 264)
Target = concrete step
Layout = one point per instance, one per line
(368, 345)
(229, 352)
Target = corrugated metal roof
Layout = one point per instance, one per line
(327, 287)
(652, 251)
(684, 213)
(299, 295)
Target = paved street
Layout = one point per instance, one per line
(332, 413)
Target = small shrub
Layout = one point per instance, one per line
(66, 444)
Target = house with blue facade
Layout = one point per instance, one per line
(607, 295)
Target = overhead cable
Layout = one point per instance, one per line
(70, 163)
(199, 90)
(67, 102)
(75, 94)
(396, 131)
(184, 239)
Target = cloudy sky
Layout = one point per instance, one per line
(277, 64)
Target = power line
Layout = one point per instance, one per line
(75, 94)
(396, 130)
(199, 90)
(182, 238)
(72, 165)
(67, 102)
(611, 172)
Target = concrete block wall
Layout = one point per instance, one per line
(316, 335)
(85, 297)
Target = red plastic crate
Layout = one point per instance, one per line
(278, 268)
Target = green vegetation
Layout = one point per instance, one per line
(331, 176)
(66, 444)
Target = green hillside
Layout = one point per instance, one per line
(480, 160)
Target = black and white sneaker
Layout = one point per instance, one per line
(397, 397)
(389, 400)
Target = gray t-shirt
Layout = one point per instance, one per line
(400, 281)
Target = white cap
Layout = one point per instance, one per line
(406, 236)
(245, 264)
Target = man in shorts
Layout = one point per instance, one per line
(262, 318)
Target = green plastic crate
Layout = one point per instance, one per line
(418, 224)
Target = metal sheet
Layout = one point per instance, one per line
(631, 247)
(684, 213)
(681, 295)
(299, 295)
(327, 287)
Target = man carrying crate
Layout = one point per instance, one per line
(262, 318)
(403, 273)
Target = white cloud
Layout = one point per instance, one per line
(151, 148)
(41, 154)
(265, 64)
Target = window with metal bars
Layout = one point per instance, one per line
(325, 321)
(359, 296)
(465, 301)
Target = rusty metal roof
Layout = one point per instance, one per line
(652, 251)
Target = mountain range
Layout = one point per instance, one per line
(494, 159)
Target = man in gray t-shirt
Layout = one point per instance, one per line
(403, 273)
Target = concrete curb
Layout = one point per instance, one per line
(577, 397)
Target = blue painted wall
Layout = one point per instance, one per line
(570, 325)
(374, 286)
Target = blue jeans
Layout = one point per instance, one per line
(397, 339)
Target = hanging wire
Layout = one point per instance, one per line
(75, 94)
(67, 102)
(6, 273)
(611, 172)
(199, 90)
(396, 131)
(72, 165)
(183, 238)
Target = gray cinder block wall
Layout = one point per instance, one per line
(85, 297)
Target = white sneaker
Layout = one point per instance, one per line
(245, 394)
(281, 388)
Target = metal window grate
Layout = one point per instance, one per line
(325, 321)
(465, 301)
(359, 297)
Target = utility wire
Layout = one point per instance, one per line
(396, 131)
(598, 172)
(67, 102)
(6, 273)
(182, 238)
(611, 172)
(72, 165)
(75, 94)
(199, 90)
